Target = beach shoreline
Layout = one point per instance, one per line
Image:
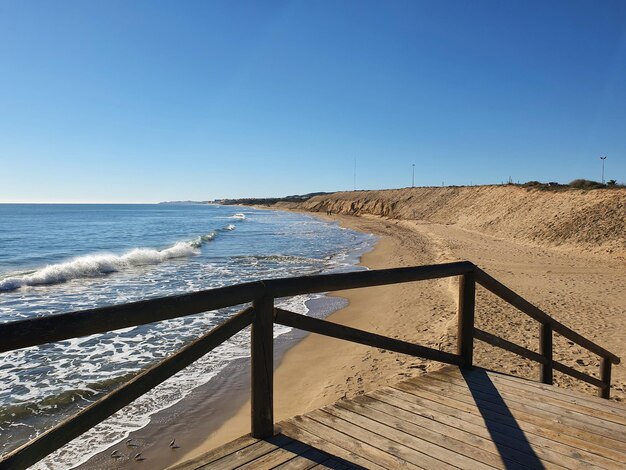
(336, 369)
(208, 406)
(566, 285)
(425, 312)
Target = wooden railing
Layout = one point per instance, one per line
(262, 315)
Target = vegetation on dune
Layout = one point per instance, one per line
(578, 183)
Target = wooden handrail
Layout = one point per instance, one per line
(529, 309)
(334, 330)
(51, 328)
(51, 440)
(262, 316)
(548, 326)
(290, 286)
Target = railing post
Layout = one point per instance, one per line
(545, 349)
(605, 376)
(262, 360)
(465, 330)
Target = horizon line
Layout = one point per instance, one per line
(74, 202)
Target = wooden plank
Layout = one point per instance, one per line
(279, 456)
(466, 432)
(47, 442)
(585, 421)
(337, 444)
(262, 367)
(216, 453)
(471, 429)
(58, 327)
(465, 318)
(287, 287)
(464, 403)
(319, 461)
(331, 465)
(248, 454)
(405, 455)
(433, 442)
(512, 347)
(561, 414)
(529, 410)
(563, 393)
(530, 395)
(398, 432)
(457, 414)
(521, 414)
(308, 459)
(529, 309)
(334, 330)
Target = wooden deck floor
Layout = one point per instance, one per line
(452, 418)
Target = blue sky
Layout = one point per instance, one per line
(145, 101)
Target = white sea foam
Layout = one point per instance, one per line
(239, 216)
(229, 227)
(104, 263)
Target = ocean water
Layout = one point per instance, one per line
(58, 258)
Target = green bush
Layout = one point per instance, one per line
(585, 184)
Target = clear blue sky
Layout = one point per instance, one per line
(143, 101)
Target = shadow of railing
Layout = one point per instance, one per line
(505, 432)
(308, 456)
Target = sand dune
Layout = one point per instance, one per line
(592, 220)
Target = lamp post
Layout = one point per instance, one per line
(602, 158)
(413, 178)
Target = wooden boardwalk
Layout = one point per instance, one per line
(467, 418)
(448, 419)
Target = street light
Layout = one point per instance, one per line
(602, 158)
(413, 179)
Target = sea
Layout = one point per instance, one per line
(57, 258)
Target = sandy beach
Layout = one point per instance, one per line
(184, 185)
(586, 291)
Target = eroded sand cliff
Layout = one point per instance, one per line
(591, 220)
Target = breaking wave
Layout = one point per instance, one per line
(101, 264)
(239, 216)
(198, 242)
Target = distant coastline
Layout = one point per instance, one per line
(252, 201)
(183, 203)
